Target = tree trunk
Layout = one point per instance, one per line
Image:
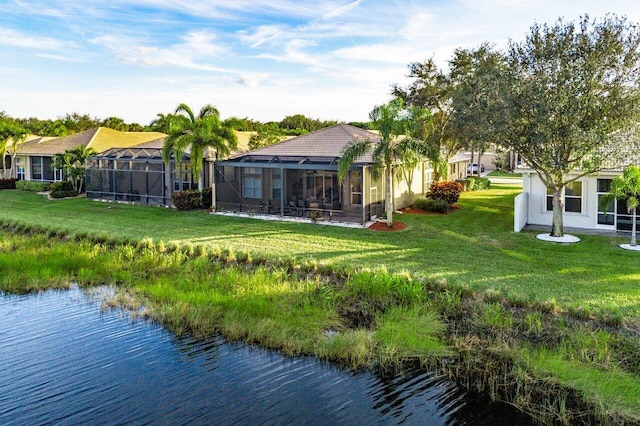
(633, 229)
(479, 163)
(388, 196)
(557, 229)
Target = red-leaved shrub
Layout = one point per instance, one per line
(447, 190)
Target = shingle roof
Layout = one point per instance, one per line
(329, 142)
(100, 139)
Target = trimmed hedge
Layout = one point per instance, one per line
(8, 183)
(192, 199)
(64, 185)
(62, 193)
(186, 200)
(447, 190)
(32, 185)
(432, 205)
(477, 184)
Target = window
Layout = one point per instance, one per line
(251, 182)
(355, 179)
(572, 198)
(428, 178)
(20, 173)
(41, 169)
(276, 183)
(607, 217)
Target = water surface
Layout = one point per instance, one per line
(64, 362)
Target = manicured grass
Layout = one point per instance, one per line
(550, 328)
(473, 246)
(500, 173)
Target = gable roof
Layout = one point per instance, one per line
(325, 146)
(100, 139)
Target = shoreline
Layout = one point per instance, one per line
(356, 319)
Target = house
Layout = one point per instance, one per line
(534, 205)
(35, 156)
(138, 173)
(300, 176)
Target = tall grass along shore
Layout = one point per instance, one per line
(552, 329)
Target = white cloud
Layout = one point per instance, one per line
(10, 37)
(197, 48)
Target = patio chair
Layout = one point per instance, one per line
(274, 205)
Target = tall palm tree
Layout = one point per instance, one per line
(389, 154)
(198, 133)
(626, 186)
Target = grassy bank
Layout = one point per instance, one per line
(474, 246)
(549, 328)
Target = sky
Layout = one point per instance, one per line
(261, 59)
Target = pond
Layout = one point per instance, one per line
(63, 361)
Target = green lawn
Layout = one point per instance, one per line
(475, 245)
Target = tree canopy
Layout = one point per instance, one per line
(198, 133)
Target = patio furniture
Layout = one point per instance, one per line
(274, 205)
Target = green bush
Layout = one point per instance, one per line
(32, 185)
(477, 183)
(186, 200)
(470, 184)
(482, 183)
(447, 190)
(65, 185)
(63, 193)
(432, 205)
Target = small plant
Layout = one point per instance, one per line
(432, 205)
(447, 190)
(315, 215)
(495, 316)
(8, 183)
(533, 323)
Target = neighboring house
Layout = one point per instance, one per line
(138, 174)
(300, 175)
(534, 205)
(457, 167)
(34, 157)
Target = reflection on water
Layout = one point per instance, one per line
(64, 362)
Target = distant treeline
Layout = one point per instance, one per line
(293, 125)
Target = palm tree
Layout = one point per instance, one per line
(198, 133)
(11, 135)
(73, 162)
(390, 153)
(626, 186)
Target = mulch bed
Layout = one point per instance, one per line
(382, 226)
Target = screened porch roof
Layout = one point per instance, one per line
(320, 150)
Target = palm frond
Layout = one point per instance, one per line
(350, 154)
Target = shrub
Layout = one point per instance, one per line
(446, 190)
(470, 184)
(32, 185)
(63, 193)
(186, 200)
(65, 185)
(481, 183)
(8, 183)
(432, 205)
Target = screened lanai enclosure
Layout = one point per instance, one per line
(139, 175)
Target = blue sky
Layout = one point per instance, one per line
(262, 59)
